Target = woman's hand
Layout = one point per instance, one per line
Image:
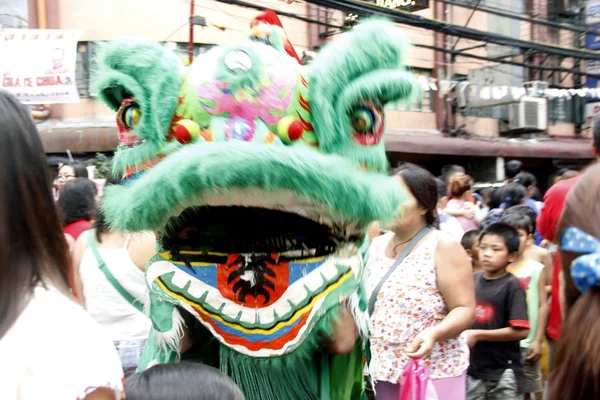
(422, 344)
(345, 333)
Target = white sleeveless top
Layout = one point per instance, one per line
(104, 303)
(408, 303)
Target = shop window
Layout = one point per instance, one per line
(423, 104)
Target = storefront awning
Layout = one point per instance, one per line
(419, 142)
(78, 136)
(90, 137)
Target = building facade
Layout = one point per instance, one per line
(421, 131)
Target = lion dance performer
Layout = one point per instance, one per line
(260, 177)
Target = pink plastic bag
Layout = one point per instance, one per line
(416, 384)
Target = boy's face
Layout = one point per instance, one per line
(493, 253)
(525, 238)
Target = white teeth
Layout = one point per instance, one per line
(297, 294)
(231, 310)
(313, 281)
(328, 270)
(248, 315)
(265, 317)
(197, 288)
(180, 279)
(283, 307)
(214, 299)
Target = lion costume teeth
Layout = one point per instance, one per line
(260, 177)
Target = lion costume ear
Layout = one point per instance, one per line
(366, 65)
(145, 72)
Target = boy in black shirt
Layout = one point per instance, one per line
(501, 320)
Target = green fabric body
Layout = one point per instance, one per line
(327, 179)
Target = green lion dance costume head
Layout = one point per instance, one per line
(259, 177)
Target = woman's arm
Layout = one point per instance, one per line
(78, 252)
(455, 282)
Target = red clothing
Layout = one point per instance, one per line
(77, 228)
(547, 224)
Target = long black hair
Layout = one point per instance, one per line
(100, 224)
(423, 186)
(513, 194)
(33, 247)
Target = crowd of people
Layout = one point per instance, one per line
(521, 273)
(497, 291)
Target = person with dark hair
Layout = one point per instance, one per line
(501, 319)
(50, 348)
(470, 242)
(448, 171)
(528, 180)
(448, 223)
(575, 372)
(103, 256)
(69, 171)
(182, 381)
(513, 194)
(547, 223)
(530, 274)
(512, 169)
(461, 204)
(420, 279)
(533, 251)
(77, 204)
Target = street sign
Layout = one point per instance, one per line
(38, 65)
(592, 42)
(404, 5)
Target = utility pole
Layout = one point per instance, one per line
(191, 41)
(439, 72)
(579, 102)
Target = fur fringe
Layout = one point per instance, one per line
(171, 340)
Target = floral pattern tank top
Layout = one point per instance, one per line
(408, 303)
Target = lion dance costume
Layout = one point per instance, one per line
(259, 176)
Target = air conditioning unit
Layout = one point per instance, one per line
(530, 114)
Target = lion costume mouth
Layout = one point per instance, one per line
(255, 241)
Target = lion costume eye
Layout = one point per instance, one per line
(367, 124)
(131, 116)
(128, 117)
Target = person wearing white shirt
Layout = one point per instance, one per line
(49, 347)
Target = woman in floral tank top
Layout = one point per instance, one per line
(426, 303)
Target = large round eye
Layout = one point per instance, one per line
(128, 117)
(362, 119)
(131, 116)
(367, 124)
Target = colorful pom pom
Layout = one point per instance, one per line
(289, 129)
(186, 131)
